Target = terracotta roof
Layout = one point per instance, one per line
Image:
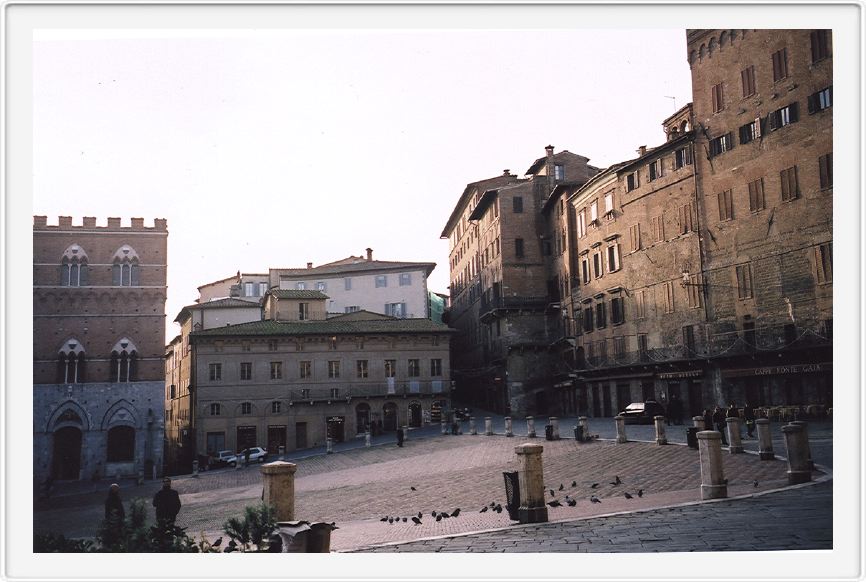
(297, 294)
(481, 185)
(333, 326)
(537, 164)
(348, 266)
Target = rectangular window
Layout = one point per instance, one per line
(593, 211)
(718, 98)
(584, 269)
(246, 407)
(751, 131)
(686, 221)
(558, 172)
(640, 304)
(276, 370)
(619, 348)
(300, 286)
(381, 280)
(658, 227)
(600, 315)
(347, 284)
(825, 170)
(587, 319)
(517, 204)
(721, 144)
(820, 45)
(335, 392)
(821, 100)
(632, 181)
(756, 195)
(668, 290)
(608, 202)
(747, 76)
(248, 289)
(780, 65)
(273, 345)
(693, 291)
(215, 409)
(790, 184)
(682, 157)
(726, 205)
(321, 286)
(405, 279)
(657, 169)
(390, 368)
(784, 116)
(303, 311)
(333, 369)
(351, 308)
(581, 223)
(395, 309)
(263, 288)
(597, 268)
(518, 248)
(305, 393)
(634, 236)
(305, 369)
(436, 367)
(617, 311)
(744, 281)
(824, 262)
(361, 369)
(414, 368)
(215, 372)
(246, 370)
(613, 258)
(276, 406)
(642, 347)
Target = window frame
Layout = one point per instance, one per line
(780, 65)
(745, 284)
(747, 80)
(246, 371)
(215, 371)
(757, 196)
(825, 171)
(726, 205)
(333, 369)
(276, 370)
(790, 184)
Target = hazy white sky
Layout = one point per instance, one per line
(272, 150)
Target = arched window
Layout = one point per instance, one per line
(70, 363)
(123, 362)
(73, 267)
(124, 270)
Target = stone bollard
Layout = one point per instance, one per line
(444, 427)
(329, 446)
(279, 488)
(584, 422)
(554, 422)
(798, 454)
(472, 429)
(530, 427)
(405, 430)
(367, 441)
(765, 441)
(699, 423)
(531, 479)
(488, 426)
(281, 452)
(805, 426)
(620, 430)
(713, 482)
(195, 468)
(661, 438)
(736, 443)
(508, 431)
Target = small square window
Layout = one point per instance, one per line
(405, 279)
(381, 280)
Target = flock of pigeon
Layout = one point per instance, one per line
(416, 519)
(571, 501)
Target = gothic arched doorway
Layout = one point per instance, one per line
(66, 461)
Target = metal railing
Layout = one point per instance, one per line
(372, 389)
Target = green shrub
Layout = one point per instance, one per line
(256, 526)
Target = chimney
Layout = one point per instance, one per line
(549, 150)
(369, 254)
(89, 222)
(309, 265)
(641, 150)
(40, 221)
(64, 221)
(506, 172)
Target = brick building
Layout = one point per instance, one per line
(99, 326)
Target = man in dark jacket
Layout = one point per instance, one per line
(749, 417)
(167, 503)
(719, 420)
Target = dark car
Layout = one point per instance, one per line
(642, 412)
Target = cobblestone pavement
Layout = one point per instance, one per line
(358, 486)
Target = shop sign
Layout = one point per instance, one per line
(776, 370)
(682, 374)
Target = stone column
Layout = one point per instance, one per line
(661, 437)
(805, 426)
(699, 423)
(195, 468)
(765, 440)
(508, 431)
(329, 446)
(472, 429)
(554, 422)
(488, 426)
(736, 443)
(279, 488)
(798, 454)
(531, 479)
(530, 427)
(620, 430)
(444, 427)
(713, 482)
(367, 440)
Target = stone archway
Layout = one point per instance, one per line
(66, 460)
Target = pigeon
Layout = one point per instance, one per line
(554, 503)
(390, 520)
(444, 514)
(627, 495)
(419, 515)
(416, 520)
(413, 489)
(492, 504)
(552, 493)
(384, 518)
(640, 492)
(595, 499)
(218, 541)
(433, 514)
(498, 508)
(439, 517)
(571, 502)
(561, 487)
(617, 480)
(483, 509)
(404, 520)
(594, 485)
(574, 483)
(455, 513)
(756, 482)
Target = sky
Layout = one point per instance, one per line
(278, 149)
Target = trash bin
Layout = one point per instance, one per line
(548, 432)
(512, 494)
(578, 434)
(692, 437)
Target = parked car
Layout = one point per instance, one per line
(257, 454)
(642, 412)
(224, 458)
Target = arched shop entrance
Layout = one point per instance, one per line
(389, 416)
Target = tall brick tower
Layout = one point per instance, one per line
(98, 348)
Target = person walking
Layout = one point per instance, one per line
(167, 504)
(399, 436)
(708, 419)
(114, 515)
(749, 417)
(719, 421)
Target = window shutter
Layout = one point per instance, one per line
(794, 112)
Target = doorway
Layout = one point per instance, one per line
(415, 415)
(67, 453)
(246, 437)
(336, 430)
(276, 438)
(389, 414)
(362, 418)
(300, 435)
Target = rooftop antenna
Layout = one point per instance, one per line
(675, 101)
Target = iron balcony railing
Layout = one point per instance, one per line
(407, 387)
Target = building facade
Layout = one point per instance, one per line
(99, 326)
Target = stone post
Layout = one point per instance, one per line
(367, 441)
(798, 454)
(713, 482)
(279, 488)
(472, 429)
(765, 440)
(281, 452)
(239, 463)
(736, 443)
(661, 437)
(554, 422)
(530, 427)
(699, 423)
(488, 426)
(329, 446)
(195, 468)
(620, 430)
(584, 422)
(805, 426)
(444, 426)
(405, 430)
(531, 478)
(508, 431)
